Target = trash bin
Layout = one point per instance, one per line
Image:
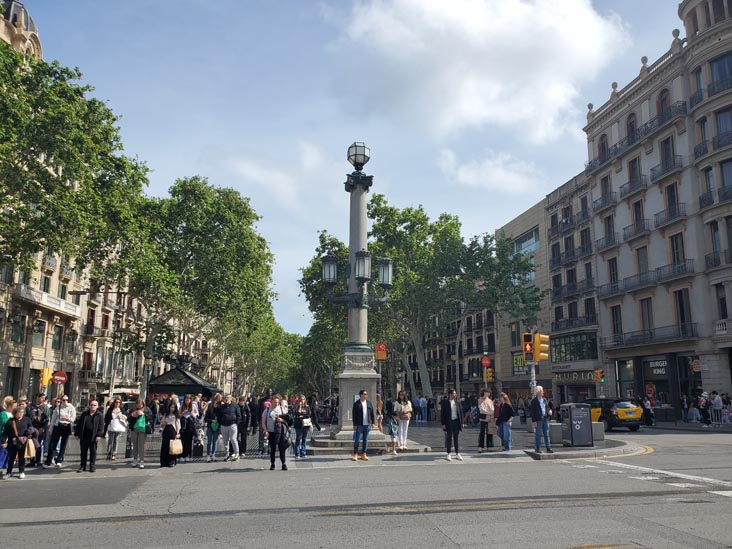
(576, 425)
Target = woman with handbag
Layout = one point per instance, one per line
(276, 430)
(303, 422)
(116, 424)
(171, 432)
(141, 422)
(17, 434)
(487, 420)
(403, 409)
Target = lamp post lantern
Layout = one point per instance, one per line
(358, 361)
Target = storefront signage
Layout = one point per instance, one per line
(567, 378)
(520, 368)
(655, 369)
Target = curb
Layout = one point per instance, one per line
(623, 449)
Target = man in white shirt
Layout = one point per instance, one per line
(363, 419)
(62, 421)
(451, 415)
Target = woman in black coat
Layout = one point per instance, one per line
(505, 418)
(171, 430)
(17, 429)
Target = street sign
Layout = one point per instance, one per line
(59, 378)
(485, 362)
(381, 351)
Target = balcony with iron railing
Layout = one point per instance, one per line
(554, 230)
(604, 202)
(722, 140)
(583, 250)
(706, 199)
(633, 186)
(609, 290)
(567, 224)
(696, 98)
(667, 167)
(49, 262)
(701, 149)
(718, 86)
(669, 215)
(67, 272)
(675, 270)
(557, 293)
(582, 216)
(725, 193)
(555, 262)
(653, 125)
(609, 241)
(568, 257)
(713, 260)
(574, 323)
(640, 280)
(650, 336)
(637, 229)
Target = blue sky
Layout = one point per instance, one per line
(472, 107)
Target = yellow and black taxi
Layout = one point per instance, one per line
(614, 412)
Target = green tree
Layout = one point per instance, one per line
(64, 183)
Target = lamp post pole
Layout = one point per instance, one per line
(358, 361)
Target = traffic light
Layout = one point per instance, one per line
(46, 376)
(541, 346)
(527, 347)
(488, 374)
(599, 376)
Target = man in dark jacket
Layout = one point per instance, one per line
(229, 416)
(540, 415)
(38, 413)
(314, 407)
(89, 429)
(243, 426)
(363, 419)
(451, 416)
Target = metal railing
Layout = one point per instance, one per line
(572, 323)
(701, 149)
(555, 262)
(713, 259)
(706, 199)
(611, 289)
(725, 193)
(670, 214)
(605, 201)
(722, 140)
(50, 262)
(607, 242)
(636, 229)
(666, 167)
(633, 185)
(675, 270)
(640, 280)
(696, 98)
(568, 256)
(582, 216)
(719, 86)
(584, 250)
(653, 335)
(666, 115)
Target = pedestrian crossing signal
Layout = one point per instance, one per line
(527, 347)
(599, 376)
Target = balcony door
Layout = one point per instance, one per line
(683, 311)
(677, 249)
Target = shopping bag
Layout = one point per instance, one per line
(176, 447)
(30, 449)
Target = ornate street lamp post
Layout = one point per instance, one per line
(358, 357)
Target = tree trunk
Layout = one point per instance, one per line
(417, 334)
(408, 369)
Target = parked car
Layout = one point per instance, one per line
(614, 412)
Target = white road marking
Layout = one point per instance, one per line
(646, 477)
(681, 476)
(726, 493)
(585, 466)
(683, 484)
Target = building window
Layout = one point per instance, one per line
(62, 290)
(612, 270)
(703, 130)
(605, 186)
(572, 277)
(531, 275)
(71, 342)
(683, 307)
(672, 197)
(634, 169)
(527, 242)
(726, 169)
(515, 328)
(17, 327)
(646, 310)
(724, 122)
(556, 250)
(6, 273)
(698, 76)
(667, 151)
(716, 242)
(630, 127)
(664, 102)
(39, 333)
(617, 320)
(709, 180)
(572, 310)
(23, 277)
(722, 67)
(590, 308)
(46, 284)
(677, 249)
(602, 148)
(609, 223)
(58, 337)
(641, 257)
(638, 217)
(557, 281)
(721, 301)
(491, 343)
(588, 271)
(573, 347)
(558, 313)
(105, 322)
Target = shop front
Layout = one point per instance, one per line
(574, 386)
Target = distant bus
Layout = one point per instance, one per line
(127, 394)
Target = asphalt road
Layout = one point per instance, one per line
(677, 494)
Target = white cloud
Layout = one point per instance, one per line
(449, 66)
(499, 172)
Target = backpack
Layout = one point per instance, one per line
(38, 416)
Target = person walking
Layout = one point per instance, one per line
(141, 423)
(115, 424)
(276, 431)
(423, 408)
(89, 429)
(212, 427)
(505, 418)
(403, 409)
(451, 414)
(229, 416)
(540, 414)
(188, 415)
(245, 418)
(171, 431)
(303, 422)
(487, 421)
(16, 434)
(314, 404)
(363, 419)
(62, 420)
